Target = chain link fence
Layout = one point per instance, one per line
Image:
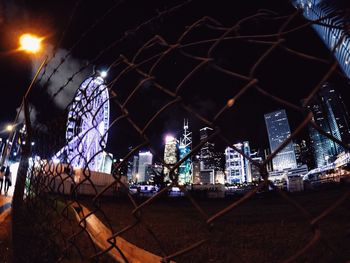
(221, 75)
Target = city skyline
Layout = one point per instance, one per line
(327, 105)
(329, 112)
(175, 131)
(238, 125)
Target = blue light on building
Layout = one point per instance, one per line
(278, 131)
(331, 27)
(185, 173)
(331, 116)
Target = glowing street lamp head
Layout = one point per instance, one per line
(30, 43)
(9, 128)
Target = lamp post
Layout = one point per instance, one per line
(4, 144)
(31, 44)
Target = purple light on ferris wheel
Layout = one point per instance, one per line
(87, 125)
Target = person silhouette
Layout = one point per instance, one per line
(8, 179)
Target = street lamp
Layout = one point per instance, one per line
(9, 128)
(30, 44)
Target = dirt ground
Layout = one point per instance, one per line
(5, 240)
(264, 229)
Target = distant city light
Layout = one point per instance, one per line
(32, 143)
(169, 138)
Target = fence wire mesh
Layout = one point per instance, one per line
(73, 213)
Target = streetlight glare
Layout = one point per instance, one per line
(9, 127)
(30, 43)
(103, 74)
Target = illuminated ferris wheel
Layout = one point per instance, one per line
(87, 125)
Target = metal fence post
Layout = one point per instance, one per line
(17, 200)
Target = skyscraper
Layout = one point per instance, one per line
(170, 155)
(278, 131)
(247, 166)
(184, 149)
(306, 153)
(219, 161)
(255, 170)
(297, 150)
(238, 169)
(145, 159)
(206, 156)
(133, 168)
(331, 115)
(331, 28)
(266, 154)
(196, 171)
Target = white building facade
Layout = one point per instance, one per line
(145, 159)
(235, 166)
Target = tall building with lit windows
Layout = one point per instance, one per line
(206, 156)
(278, 131)
(247, 165)
(238, 168)
(185, 146)
(170, 155)
(234, 165)
(331, 26)
(331, 115)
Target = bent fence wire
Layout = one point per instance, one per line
(73, 215)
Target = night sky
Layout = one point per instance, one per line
(86, 32)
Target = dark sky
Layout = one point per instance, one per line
(90, 31)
